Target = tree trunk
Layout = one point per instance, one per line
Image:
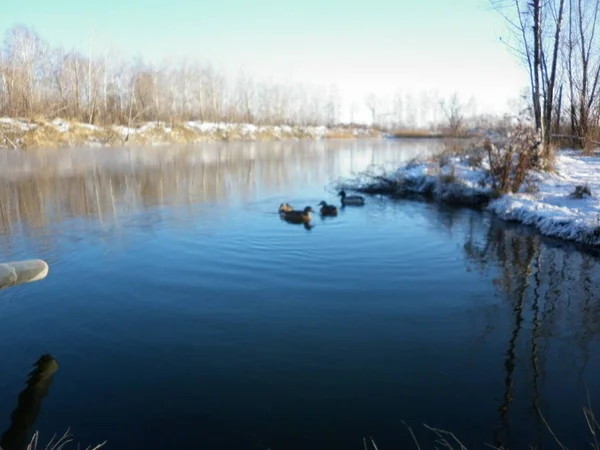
(537, 63)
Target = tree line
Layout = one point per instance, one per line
(39, 80)
(558, 42)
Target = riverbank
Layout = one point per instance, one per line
(426, 134)
(59, 133)
(563, 204)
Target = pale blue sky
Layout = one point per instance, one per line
(375, 45)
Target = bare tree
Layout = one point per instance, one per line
(23, 55)
(353, 110)
(582, 67)
(333, 105)
(453, 110)
(246, 96)
(424, 108)
(372, 103)
(94, 85)
(536, 26)
(411, 108)
(398, 109)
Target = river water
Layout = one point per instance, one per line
(183, 313)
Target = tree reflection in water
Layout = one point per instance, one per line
(550, 289)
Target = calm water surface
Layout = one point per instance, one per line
(183, 313)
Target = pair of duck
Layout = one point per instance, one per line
(288, 213)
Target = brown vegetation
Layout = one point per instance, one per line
(50, 97)
(416, 133)
(504, 162)
(59, 133)
(38, 80)
(511, 161)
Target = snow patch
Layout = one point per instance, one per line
(552, 210)
(61, 125)
(160, 133)
(124, 131)
(456, 181)
(19, 124)
(88, 126)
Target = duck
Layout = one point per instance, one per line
(328, 210)
(285, 207)
(351, 199)
(294, 216)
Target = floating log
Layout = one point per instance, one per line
(19, 272)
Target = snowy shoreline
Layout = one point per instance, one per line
(24, 133)
(549, 201)
(553, 210)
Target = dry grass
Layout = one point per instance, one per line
(43, 136)
(156, 134)
(80, 136)
(415, 133)
(39, 133)
(442, 439)
(339, 134)
(427, 134)
(458, 147)
(512, 161)
(182, 133)
(591, 141)
(58, 444)
(9, 137)
(46, 135)
(38, 119)
(447, 440)
(265, 134)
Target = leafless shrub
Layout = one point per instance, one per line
(453, 109)
(444, 169)
(475, 158)
(414, 162)
(531, 186)
(449, 177)
(512, 158)
(455, 146)
(443, 159)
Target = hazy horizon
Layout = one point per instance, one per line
(380, 46)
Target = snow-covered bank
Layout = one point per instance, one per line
(557, 204)
(455, 181)
(22, 133)
(554, 210)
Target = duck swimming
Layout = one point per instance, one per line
(285, 207)
(351, 199)
(294, 216)
(328, 210)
